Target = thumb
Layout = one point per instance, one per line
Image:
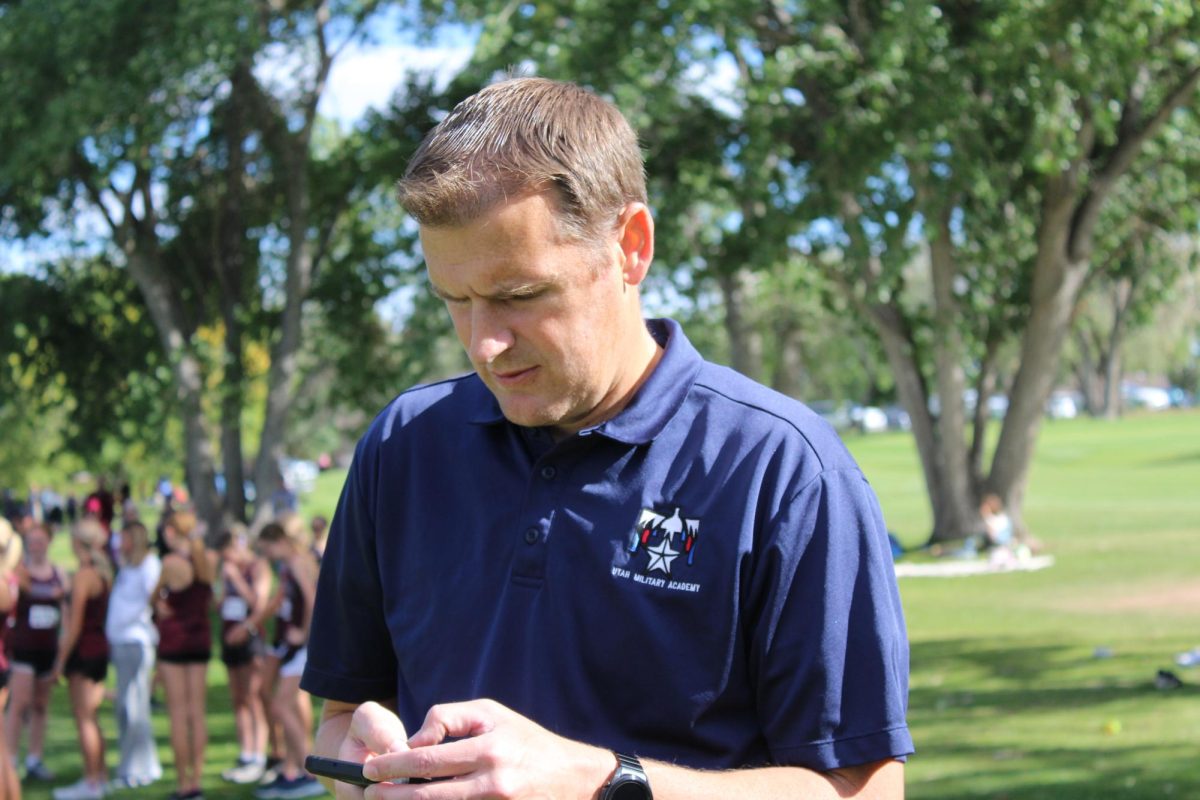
(374, 730)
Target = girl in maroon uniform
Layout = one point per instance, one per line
(182, 602)
(246, 588)
(10, 557)
(33, 646)
(83, 655)
(285, 543)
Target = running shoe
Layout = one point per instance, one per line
(301, 786)
(37, 770)
(82, 789)
(245, 772)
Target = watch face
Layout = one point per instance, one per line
(628, 790)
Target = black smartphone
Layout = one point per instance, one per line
(344, 771)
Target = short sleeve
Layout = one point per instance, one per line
(828, 647)
(350, 656)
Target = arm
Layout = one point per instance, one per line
(72, 627)
(24, 579)
(233, 575)
(496, 752)
(258, 596)
(204, 561)
(303, 569)
(8, 593)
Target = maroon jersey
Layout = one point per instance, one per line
(92, 641)
(187, 629)
(39, 614)
(291, 609)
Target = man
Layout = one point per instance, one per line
(598, 567)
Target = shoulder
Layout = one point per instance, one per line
(424, 416)
(725, 403)
(86, 578)
(176, 570)
(457, 399)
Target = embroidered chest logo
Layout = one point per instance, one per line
(667, 540)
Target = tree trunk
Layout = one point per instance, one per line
(1122, 297)
(281, 376)
(789, 363)
(949, 508)
(960, 517)
(745, 346)
(984, 387)
(230, 270)
(188, 373)
(1056, 285)
(1089, 369)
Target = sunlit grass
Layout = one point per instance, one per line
(1008, 697)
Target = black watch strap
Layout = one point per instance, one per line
(629, 782)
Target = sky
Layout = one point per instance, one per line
(364, 76)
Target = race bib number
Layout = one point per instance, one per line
(43, 618)
(234, 609)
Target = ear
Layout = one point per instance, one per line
(636, 240)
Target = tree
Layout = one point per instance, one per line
(989, 137)
(161, 123)
(1142, 249)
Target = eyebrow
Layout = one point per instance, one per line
(512, 292)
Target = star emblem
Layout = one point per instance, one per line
(661, 556)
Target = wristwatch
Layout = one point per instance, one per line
(629, 782)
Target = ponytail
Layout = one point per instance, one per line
(92, 538)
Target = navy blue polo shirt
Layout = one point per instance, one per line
(704, 579)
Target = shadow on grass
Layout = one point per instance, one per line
(1183, 459)
(1136, 773)
(1017, 721)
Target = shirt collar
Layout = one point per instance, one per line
(653, 405)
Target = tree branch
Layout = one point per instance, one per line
(1129, 144)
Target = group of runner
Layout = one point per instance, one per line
(147, 609)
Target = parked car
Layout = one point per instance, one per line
(868, 419)
(1154, 398)
(897, 418)
(1181, 398)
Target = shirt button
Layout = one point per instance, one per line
(548, 472)
(531, 535)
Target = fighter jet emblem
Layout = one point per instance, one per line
(664, 538)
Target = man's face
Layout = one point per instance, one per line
(542, 319)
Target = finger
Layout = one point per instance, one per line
(452, 760)
(373, 730)
(455, 720)
(453, 789)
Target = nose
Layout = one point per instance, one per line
(490, 335)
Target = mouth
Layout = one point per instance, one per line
(513, 377)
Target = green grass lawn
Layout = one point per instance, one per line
(1008, 698)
